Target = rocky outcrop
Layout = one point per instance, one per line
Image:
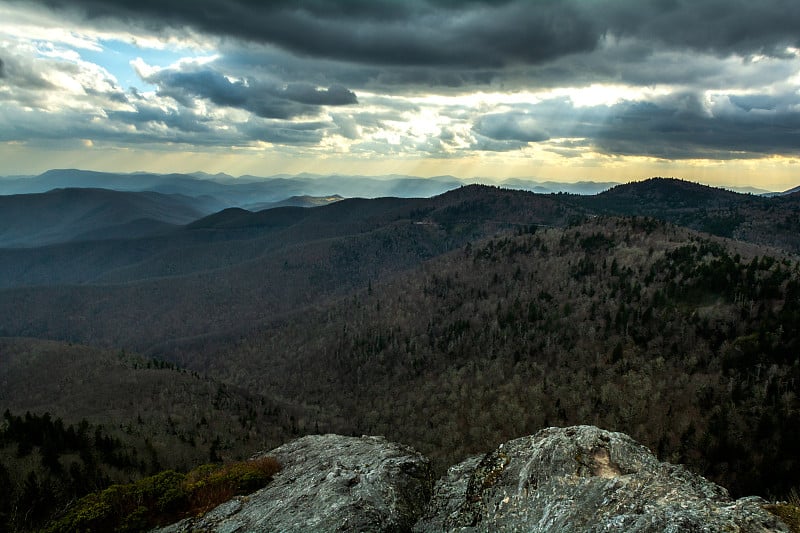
(577, 479)
(582, 479)
(329, 483)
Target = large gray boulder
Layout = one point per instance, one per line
(329, 483)
(577, 479)
(584, 479)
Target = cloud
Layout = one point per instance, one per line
(347, 126)
(391, 46)
(658, 78)
(683, 125)
(49, 77)
(510, 127)
(23, 72)
(144, 115)
(474, 34)
(305, 93)
(383, 32)
(720, 26)
(486, 144)
(265, 99)
(278, 132)
(686, 126)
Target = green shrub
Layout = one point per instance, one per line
(164, 498)
(787, 512)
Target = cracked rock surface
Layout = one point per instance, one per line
(329, 483)
(584, 479)
(576, 479)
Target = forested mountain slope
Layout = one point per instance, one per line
(236, 269)
(774, 221)
(75, 419)
(687, 342)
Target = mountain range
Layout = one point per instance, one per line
(254, 192)
(665, 309)
(61, 215)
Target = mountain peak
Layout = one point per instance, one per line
(672, 193)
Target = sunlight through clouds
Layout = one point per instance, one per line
(123, 77)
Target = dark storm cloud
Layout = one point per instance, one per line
(465, 34)
(2, 68)
(260, 60)
(766, 102)
(680, 128)
(268, 100)
(286, 61)
(383, 32)
(305, 93)
(431, 77)
(720, 26)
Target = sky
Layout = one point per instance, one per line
(602, 90)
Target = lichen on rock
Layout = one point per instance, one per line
(329, 483)
(576, 479)
(583, 479)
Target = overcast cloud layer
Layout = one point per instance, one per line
(444, 79)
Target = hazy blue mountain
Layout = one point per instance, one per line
(235, 192)
(297, 201)
(67, 214)
(255, 192)
(546, 187)
(352, 230)
(749, 190)
(375, 186)
(236, 235)
(73, 178)
(219, 176)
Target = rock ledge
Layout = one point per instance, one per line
(576, 479)
(329, 483)
(584, 479)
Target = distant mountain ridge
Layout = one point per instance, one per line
(219, 238)
(236, 236)
(249, 192)
(255, 192)
(68, 214)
